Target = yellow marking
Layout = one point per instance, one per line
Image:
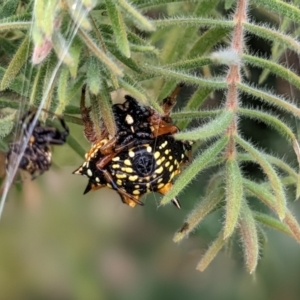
(170, 157)
(159, 180)
(89, 172)
(167, 151)
(127, 162)
(149, 149)
(109, 185)
(97, 179)
(129, 120)
(160, 185)
(136, 192)
(156, 155)
(159, 161)
(117, 158)
(136, 186)
(148, 184)
(167, 163)
(115, 166)
(163, 159)
(171, 168)
(145, 179)
(131, 153)
(121, 176)
(133, 177)
(127, 170)
(131, 128)
(159, 170)
(164, 144)
(119, 182)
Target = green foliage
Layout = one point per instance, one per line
(234, 196)
(6, 123)
(114, 45)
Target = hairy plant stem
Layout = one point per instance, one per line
(234, 75)
(233, 78)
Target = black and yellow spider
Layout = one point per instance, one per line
(142, 157)
(37, 155)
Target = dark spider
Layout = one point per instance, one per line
(37, 154)
(130, 161)
(139, 170)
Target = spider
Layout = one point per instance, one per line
(143, 156)
(139, 170)
(37, 154)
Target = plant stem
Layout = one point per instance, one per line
(234, 74)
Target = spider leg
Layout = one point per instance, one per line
(110, 153)
(128, 199)
(120, 148)
(162, 129)
(170, 101)
(55, 137)
(31, 114)
(46, 135)
(88, 130)
(65, 131)
(110, 146)
(27, 121)
(162, 124)
(105, 160)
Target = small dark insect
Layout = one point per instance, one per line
(37, 154)
(142, 157)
